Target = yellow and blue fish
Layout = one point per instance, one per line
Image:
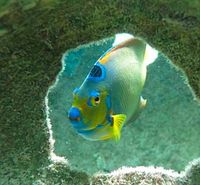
(110, 95)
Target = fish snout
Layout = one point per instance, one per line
(74, 114)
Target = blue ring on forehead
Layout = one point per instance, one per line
(97, 73)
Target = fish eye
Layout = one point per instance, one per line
(97, 100)
(93, 101)
(94, 98)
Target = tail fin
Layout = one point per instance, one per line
(150, 55)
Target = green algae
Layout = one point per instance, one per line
(31, 49)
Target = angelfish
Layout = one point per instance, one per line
(110, 95)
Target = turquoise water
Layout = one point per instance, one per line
(167, 132)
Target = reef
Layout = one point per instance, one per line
(59, 173)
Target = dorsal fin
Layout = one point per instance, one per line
(138, 45)
(144, 51)
(121, 37)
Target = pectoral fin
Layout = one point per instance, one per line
(118, 122)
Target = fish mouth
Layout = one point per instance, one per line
(74, 114)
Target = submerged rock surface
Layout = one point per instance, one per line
(32, 41)
(165, 134)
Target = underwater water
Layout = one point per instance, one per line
(167, 132)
